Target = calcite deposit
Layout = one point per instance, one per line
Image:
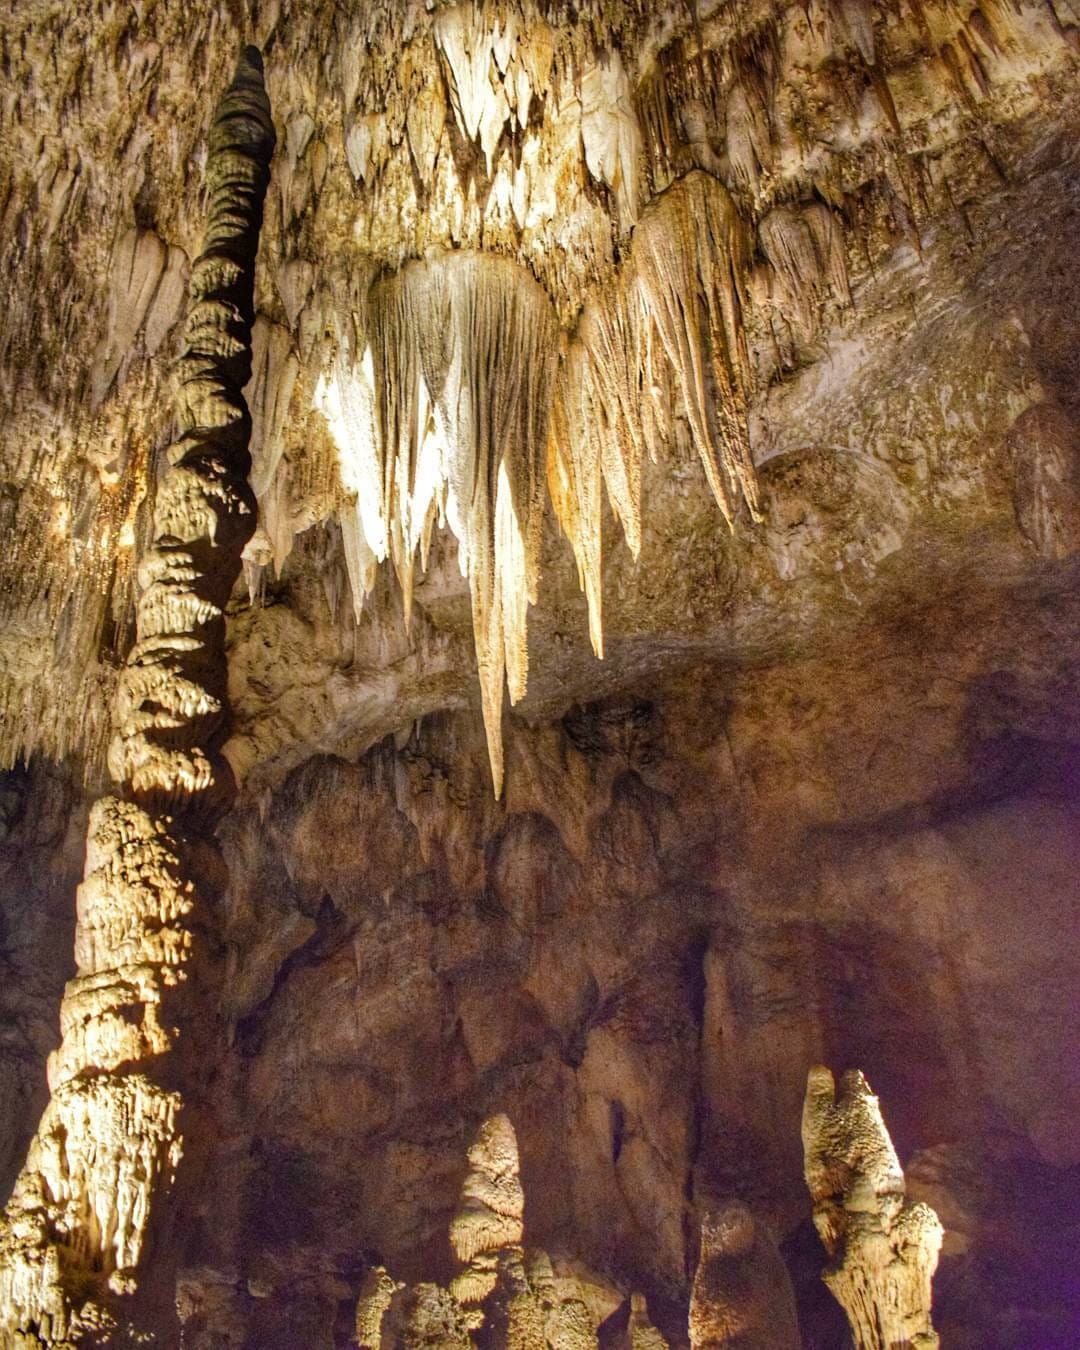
(501, 1294)
(106, 1152)
(884, 1249)
(549, 625)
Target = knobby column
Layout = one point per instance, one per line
(138, 1019)
(883, 1248)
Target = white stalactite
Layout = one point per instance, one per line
(444, 419)
(689, 256)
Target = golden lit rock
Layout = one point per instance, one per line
(883, 1249)
(702, 377)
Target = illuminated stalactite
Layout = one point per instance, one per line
(453, 405)
(444, 420)
(883, 1248)
(674, 322)
(135, 1018)
(690, 255)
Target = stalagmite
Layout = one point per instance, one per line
(503, 1297)
(742, 1295)
(567, 1322)
(489, 1219)
(640, 1332)
(376, 1295)
(883, 1249)
(134, 1021)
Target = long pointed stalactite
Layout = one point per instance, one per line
(75, 1235)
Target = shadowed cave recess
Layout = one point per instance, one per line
(539, 676)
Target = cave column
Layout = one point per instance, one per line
(137, 1021)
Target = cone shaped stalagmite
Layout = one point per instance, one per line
(490, 1213)
(742, 1294)
(503, 1297)
(74, 1236)
(883, 1249)
(640, 1332)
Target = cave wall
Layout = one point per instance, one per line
(687, 898)
(818, 801)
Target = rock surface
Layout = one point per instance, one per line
(817, 802)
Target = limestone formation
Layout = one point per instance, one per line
(376, 1295)
(640, 1332)
(545, 291)
(135, 1021)
(502, 1296)
(883, 1249)
(580, 239)
(742, 1293)
(490, 1214)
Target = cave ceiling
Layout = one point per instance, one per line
(711, 334)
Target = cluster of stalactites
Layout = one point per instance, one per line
(676, 318)
(442, 418)
(447, 403)
(883, 1248)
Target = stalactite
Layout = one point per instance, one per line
(444, 418)
(445, 415)
(600, 425)
(805, 248)
(74, 1235)
(747, 133)
(789, 246)
(883, 1249)
(464, 359)
(147, 292)
(609, 133)
(690, 258)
